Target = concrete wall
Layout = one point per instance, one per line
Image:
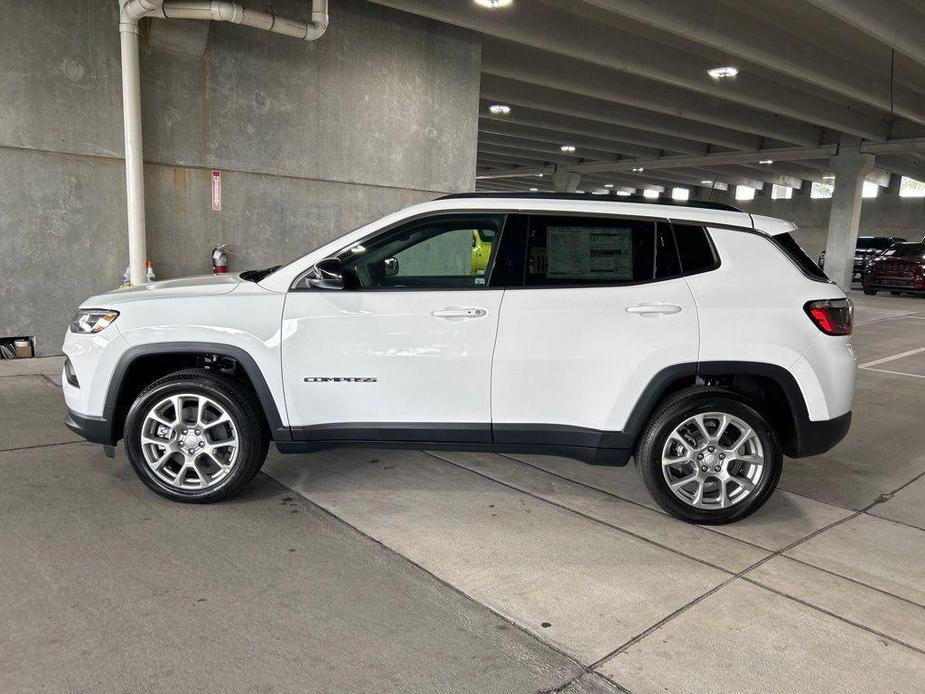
(886, 215)
(313, 140)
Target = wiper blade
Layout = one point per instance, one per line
(258, 275)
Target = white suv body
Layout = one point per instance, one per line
(580, 319)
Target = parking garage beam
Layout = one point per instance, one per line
(850, 167)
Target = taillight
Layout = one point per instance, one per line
(831, 316)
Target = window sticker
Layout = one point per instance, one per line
(588, 253)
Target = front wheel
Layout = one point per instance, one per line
(708, 456)
(195, 436)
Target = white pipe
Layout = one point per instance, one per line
(221, 11)
(131, 11)
(134, 157)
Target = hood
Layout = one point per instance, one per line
(204, 285)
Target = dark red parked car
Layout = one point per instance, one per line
(900, 268)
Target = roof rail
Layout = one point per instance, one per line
(703, 204)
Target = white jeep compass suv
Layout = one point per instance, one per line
(697, 339)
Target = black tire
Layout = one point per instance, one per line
(671, 414)
(239, 403)
(895, 293)
(869, 292)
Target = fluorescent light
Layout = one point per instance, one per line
(706, 183)
(624, 193)
(765, 162)
(638, 169)
(493, 3)
(828, 177)
(499, 109)
(534, 190)
(719, 73)
(608, 185)
(567, 148)
(745, 193)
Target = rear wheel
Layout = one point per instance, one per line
(869, 292)
(195, 436)
(709, 456)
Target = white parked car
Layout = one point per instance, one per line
(695, 338)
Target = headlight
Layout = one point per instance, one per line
(92, 320)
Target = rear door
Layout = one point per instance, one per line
(602, 308)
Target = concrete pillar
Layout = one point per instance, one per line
(565, 181)
(850, 167)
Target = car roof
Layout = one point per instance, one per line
(704, 204)
(717, 214)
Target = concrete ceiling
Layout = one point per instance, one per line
(626, 81)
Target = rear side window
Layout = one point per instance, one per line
(577, 251)
(793, 251)
(694, 248)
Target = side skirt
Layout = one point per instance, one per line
(586, 445)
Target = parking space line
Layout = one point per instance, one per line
(895, 373)
(916, 316)
(884, 360)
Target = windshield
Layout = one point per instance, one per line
(906, 250)
(874, 242)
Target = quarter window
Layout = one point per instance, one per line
(694, 248)
(448, 252)
(576, 251)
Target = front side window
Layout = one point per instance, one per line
(575, 251)
(447, 252)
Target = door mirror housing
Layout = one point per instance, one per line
(390, 266)
(327, 274)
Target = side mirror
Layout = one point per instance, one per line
(390, 267)
(327, 274)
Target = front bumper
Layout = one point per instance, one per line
(93, 429)
(816, 438)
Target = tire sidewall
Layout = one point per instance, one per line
(673, 414)
(244, 425)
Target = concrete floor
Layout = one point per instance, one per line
(372, 571)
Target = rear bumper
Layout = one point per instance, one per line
(93, 429)
(815, 438)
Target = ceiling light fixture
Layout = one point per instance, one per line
(534, 190)
(493, 4)
(638, 169)
(765, 162)
(719, 73)
(499, 109)
(608, 185)
(828, 177)
(623, 193)
(567, 148)
(706, 183)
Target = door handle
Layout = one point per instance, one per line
(653, 310)
(459, 312)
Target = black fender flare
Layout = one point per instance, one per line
(271, 411)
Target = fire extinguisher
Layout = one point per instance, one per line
(220, 259)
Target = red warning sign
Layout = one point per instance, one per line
(216, 190)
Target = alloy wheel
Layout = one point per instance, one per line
(713, 460)
(189, 442)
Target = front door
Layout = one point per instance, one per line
(404, 351)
